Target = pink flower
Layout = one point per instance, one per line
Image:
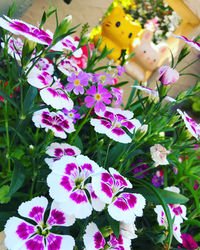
(77, 82)
(21, 234)
(189, 242)
(97, 98)
(69, 186)
(117, 93)
(194, 44)
(168, 75)
(121, 206)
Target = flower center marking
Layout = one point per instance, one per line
(42, 230)
(77, 82)
(97, 97)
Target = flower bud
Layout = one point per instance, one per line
(168, 75)
(63, 27)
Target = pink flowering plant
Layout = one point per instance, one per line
(80, 169)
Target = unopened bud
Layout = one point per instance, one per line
(63, 27)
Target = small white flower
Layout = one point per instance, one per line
(159, 154)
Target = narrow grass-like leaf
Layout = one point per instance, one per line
(5, 96)
(29, 99)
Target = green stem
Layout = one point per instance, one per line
(7, 135)
(80, 127)
(187, 66)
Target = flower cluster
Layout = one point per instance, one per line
(66, 136)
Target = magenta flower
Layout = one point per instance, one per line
(189, 242)
(24, 235)
(121, 206)
(168, 75)
(77, 82)
(53, 121)
(29, 31)
(68, 185)
(97, 98)
(120, 70)
(194, 44)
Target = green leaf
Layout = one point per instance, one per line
(114, 225)
(29, 99)
(114, 153)
(12, 9)
(78, 143)
(18, 177)
(3, 194)
(18, 153)
(169, 197)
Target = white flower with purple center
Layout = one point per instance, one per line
(24, 235)
(93, 239)
(69, 44)
(168, 75)
(52, 91)
(152, 92)
(97, 97)
(15, 47)
(29, 31)
(121, 206)
(69, 185)
(162, 221)
(114, 122)
(54, 121)
(72, 114)
(177, 210)
(67, 67)
(58, 150)
(43, 65)
(194, 44)
(77, 82)
(191, 125)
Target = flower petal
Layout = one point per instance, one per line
(60, 242)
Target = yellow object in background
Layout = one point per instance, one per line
(117, 32)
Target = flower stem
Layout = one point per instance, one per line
(187, 66)
(7, 135)
(80, 127)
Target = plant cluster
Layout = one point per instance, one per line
(81, 170)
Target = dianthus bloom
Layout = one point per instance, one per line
(24, 235)
(67, 66)
(54, 121)
(189, 242)
(52, 91)
(114, 122)
(93, 239)
(177, 211)
(122, 206)
(194, 44)
(29, 31)
(58, 150)
(159, 155)
(168, 75)
(191, 125)
(97, 98)
(15, 47)
(69, 185)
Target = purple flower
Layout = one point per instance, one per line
(121, 206)
(97, 98)
(103, 78)
(168, 75)
(139, 169)
(29, 31)
(69, 186)
(21, 234)
(113, 122)
(77, 82)
(120, 70)
(72, 114)
(158, 178)
(53, 121)
(117, 93)
(194, 44)
(189, 242)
